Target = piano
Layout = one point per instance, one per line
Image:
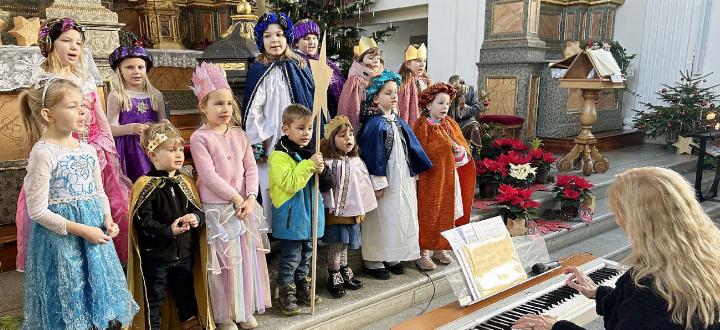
(542, 294)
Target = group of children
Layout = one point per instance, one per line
(394, 171)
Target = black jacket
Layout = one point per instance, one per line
(629, 307)
(155, 216)
(325, 181)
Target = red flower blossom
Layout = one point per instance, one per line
(514, 158)
(570, 187)
(510, 144)
(571, 194)
(518, 202)
(548, 157)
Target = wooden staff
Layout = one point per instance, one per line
(321, 77)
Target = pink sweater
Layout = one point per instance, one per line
(225, 164)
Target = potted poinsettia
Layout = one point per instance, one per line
(506, 145)
(520, 172)
(516, 207)
(490, 174)
(542, 160)
(572, 191)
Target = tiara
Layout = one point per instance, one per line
(157, 140)
(335, 123)
(207, 78)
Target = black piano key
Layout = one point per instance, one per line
(497, 324)
(525, 309)
(507, 318)
(490, 327)
(515, 313)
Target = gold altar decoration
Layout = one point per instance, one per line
(590, 71)
(25, 30)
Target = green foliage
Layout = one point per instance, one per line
(686, 109)
(622, 57)
(339, 19)
(10, 322)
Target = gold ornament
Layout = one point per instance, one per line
(683, 145)
(363, 45)
(335, 123)
(157, 140)
(412, 53)
(25, 30)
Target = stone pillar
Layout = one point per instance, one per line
(159, 22)
(101, 23)
(511, 59)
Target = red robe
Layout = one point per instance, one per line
(436, 186)
(408, 96)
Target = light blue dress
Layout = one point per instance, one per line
(70, 283)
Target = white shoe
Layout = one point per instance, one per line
(227, 326)
(251, 323)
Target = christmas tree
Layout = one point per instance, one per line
(689, 107)
(339, 19)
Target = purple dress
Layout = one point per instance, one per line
(133, 161)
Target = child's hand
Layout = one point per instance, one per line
(112, 228)
(238, 203)
(94, 235)
(190, 219)
(138, 128)
(319, 162)
(246, 208)
(179, 226)
(379, 193)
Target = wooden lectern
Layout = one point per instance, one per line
(590, 71)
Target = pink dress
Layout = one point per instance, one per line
(408, 96)
(353, 93)
(238, 278)
(117, 186)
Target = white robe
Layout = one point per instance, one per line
(391, 232)
(264, 121)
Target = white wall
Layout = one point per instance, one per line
(710, 62)
(629, 30)
(394, 46)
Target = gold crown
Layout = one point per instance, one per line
(335, 123)
(413, 53)
(157, 140)
(363, 45)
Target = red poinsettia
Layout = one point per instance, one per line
(541, 159)
(516, 203)
(490, 170)
(514, 157)
(507, 144)
(571, 188)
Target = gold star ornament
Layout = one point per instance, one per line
(683, 145)
(25, 30)
(321, 75)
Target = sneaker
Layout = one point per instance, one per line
(250, 323)
(226, 326)
(288, 300)
(397, 269)
(443, 257)
(378, 273)
(349, 280)
(425, 262)
(335, 284)
(303, 292)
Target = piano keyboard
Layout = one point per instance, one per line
(557, 299)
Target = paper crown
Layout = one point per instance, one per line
(363, 45)
(419, 53)
(208, 78)
(123, 52)
(303, 28)
(334, 124)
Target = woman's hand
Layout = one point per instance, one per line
(581, 282)
(535, 322)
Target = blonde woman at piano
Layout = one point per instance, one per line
(674, 282)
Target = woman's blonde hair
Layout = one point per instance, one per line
(288, 54)
(32, 102)
(52, 63)
(674, 243)
(118, 83)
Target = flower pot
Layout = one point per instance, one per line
(487, 190)
(569, 208)
(541, 177)
(516, 227)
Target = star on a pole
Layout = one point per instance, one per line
(25, 30)
(683, 145)
(321, 76)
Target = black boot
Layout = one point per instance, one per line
(303, 292)
(335, 284)
(349, 281)
(288, 301)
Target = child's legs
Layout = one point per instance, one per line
(303, 269)
(290, 258)
(221, 290)
(180, 281)
(334, 256)
(156, 275)
(263, 174)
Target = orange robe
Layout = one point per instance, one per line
(436, 186)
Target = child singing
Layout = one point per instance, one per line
(73, 277)
(394, 158)
(347, 203)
